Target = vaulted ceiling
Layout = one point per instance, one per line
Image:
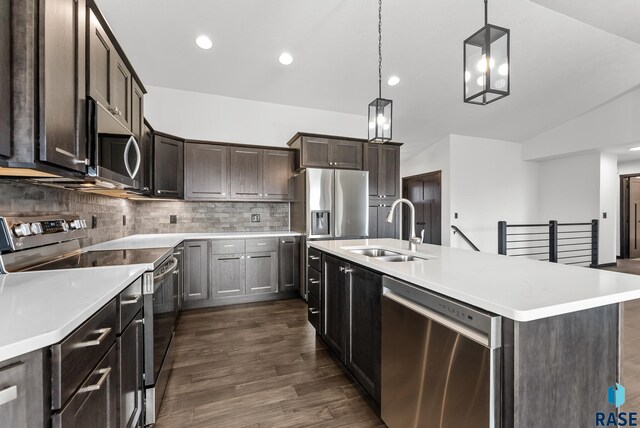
(561, 67)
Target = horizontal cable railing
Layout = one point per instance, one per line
(566, 243)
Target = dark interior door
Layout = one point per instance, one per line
(634, 217)
(425, 192)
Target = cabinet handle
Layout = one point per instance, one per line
(145, 189)
(132, 301)
(7, 395)
(341, 269)
(81, 161)
(224, 194)
(348, 270)
(229, 245)
(265, 195)
(261, 243)
(158, 192)
(314, 257)
(314, 281)
(176, 272)
(314, 311)
(177, 253)
(104, 332)
(98, 385)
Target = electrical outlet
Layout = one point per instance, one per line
(94, 221)
(255, 218)
(173, 219)
(604, 215)
(124, 220)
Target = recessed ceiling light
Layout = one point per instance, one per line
(634, 149)
(393, 80)
(204, 42)
(285, 58)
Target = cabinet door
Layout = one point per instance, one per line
(95, 404)
(373, 221)
(196, 271)
(371, 164)
(333, 305)
(346, 154)
(101, 58)
(206, 173)
(168, 167)
(277, 173)
(63, 95)
(289, 264)
(228, 275)
(130, 361)
(121, 85)
(315, 152)
(146, 164)
(388, 230)
(389, 175)
(262, 273)
(137, 110)
(246, 173)
(5, 79)
(21, 388)
(365, 328)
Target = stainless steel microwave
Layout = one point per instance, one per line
(114, 152)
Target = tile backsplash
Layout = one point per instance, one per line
(24, 198)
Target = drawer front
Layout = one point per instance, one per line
(261, 245)
(314, 259)
(73, 359)
(313, 285)
(95, 403)
(229, 246)
(313, 312)
(129, 303)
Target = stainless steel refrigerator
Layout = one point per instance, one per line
(330, 204)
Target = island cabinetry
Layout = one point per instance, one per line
(314, 289)
(21, 391)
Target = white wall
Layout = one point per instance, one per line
(436, 157)
(199, 116)
(489, 182)
(612, 124)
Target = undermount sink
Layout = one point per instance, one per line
(399, 258)
(374, 252)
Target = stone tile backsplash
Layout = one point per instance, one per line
(24, 198)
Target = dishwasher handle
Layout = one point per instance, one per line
(466, 331)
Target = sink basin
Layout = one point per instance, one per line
(375, 252)
(398, 258)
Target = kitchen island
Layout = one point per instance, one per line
(550, 362)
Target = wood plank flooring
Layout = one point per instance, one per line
(259, 365)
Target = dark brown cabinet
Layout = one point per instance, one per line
(137, 110)
(317, 151)
(21, 383)
(383, 163)
(130, 346)
(334, 305)
(261, 272)
(122, 91)
(277, 172)
(168, 166)
(246, 173)
(62, 138)
(146, 165)
(289, 263)
(196, 271)
(206, 171)
(228, 275)
(5, 79)
(378, 226)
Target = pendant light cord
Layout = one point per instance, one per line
(380, 48)
(486, 12)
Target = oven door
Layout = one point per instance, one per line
(114, 152)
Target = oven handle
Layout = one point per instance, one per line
(169, 271)
(132, 142)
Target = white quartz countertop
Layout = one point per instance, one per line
(39, 309)
(519, 289)
(162, 240)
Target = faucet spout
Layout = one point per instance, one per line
(413, 239)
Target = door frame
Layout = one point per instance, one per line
(405, 194)
(624, 210)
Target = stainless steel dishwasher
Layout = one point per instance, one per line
(440, 361)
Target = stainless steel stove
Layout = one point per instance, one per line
(52, 243)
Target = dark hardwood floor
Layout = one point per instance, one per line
(259, 365)
(630, 340)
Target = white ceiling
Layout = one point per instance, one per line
(560, 67)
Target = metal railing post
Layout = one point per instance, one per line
(502, 238)
(594, 243)
(553, 241)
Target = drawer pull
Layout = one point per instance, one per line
(314, 281)
(229, 245)
(132, 301)
(261, 243)
(7, 395)
(97, 386)
(314, 257)
(314, 311)
(104, 332)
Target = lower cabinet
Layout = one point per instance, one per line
(130, 347)
(195, 271)
(351, 313)
(261, 273)
(22, 391)
(289, 263)
(228, 275)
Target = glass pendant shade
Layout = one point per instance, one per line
(486, 65)
(380, 126)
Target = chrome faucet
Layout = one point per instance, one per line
(413, 239)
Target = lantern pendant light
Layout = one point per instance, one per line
(486, 64)
(380, 109)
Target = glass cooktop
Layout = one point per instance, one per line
(106, 258)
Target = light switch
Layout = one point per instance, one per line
(604, 215)
(255, 218)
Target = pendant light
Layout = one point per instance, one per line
(380, 109)
(486, 64)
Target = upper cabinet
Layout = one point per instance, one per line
(206, 172)
(246, 173)
(168, 166)
(277, 173)
(146, 151)
(383, 163)
(317, 151)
